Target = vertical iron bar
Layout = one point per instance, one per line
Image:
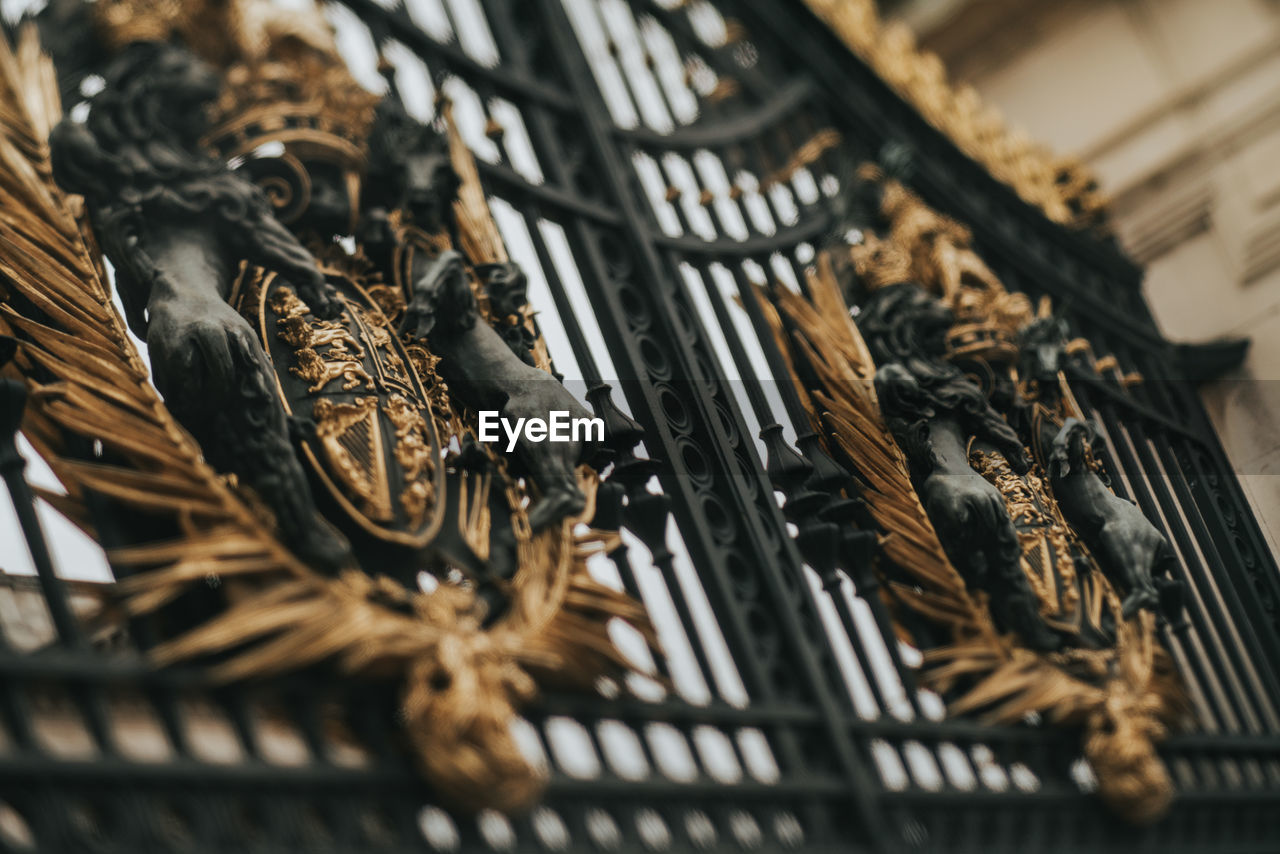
(862, 785)
(12, 465)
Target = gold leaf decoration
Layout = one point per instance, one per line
(1063, 187)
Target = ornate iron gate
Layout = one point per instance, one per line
(650, 163)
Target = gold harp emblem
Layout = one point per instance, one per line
(352, 440)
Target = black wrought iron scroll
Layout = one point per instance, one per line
(651, 164)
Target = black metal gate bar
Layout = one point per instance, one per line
(708, 557)
(535, 120)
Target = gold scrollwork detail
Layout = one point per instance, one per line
(389, 299)
(1048, 544)
(377, 331)
(413, 453)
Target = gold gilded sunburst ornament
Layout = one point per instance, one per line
(341, 343)
(948, 394)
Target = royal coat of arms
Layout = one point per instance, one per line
(326, 302)
(1032, 589)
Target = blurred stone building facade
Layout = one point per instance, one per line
(1176, 106)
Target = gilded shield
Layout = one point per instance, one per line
(374, 448)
